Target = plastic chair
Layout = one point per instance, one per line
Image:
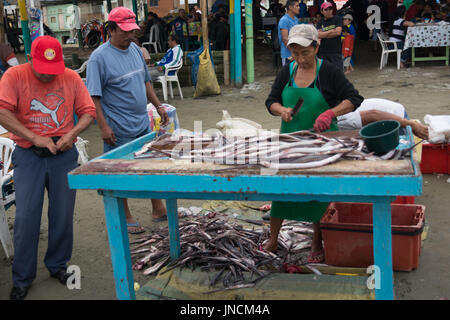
(166, 78)
(153, 38)
(8, 196)
(385, 53)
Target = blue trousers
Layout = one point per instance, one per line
(32, 175)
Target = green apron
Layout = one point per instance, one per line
(314, 104)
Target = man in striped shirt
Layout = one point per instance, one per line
(398, 34)
(172, 58)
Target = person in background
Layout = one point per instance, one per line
(172, 57)
(222, 32)
(398, 34)
(276, 9)
(144, 51)
(38, 101)
(347, 21)
(119, 83)
(303, 10)
(180, 28)
(7, 58)
(415, 10)
(330, 30)
(347, 49)
(284, 25)
(427, 13)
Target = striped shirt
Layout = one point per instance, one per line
(398, 31)
(172, 57)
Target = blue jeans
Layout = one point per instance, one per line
(120, 141)
(32, 175)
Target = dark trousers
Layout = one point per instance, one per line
(334, 58)
(32, 175)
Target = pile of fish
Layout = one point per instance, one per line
(296, 150)
(214, 243)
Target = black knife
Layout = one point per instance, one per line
(297, 107)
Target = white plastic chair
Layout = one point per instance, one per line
(153, 39)
(82, 68)
(6, 149)
(385, 53)
(166, 78)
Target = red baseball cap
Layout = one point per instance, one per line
(325, 5)
(124, 17)
(47, 55)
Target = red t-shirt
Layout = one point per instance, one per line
(47, 109)
(412, 12)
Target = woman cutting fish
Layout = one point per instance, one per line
(323, 93)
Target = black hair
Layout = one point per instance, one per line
(290, 3)
(110, 26)
(173, 37)
(314, 44)
(400, 11)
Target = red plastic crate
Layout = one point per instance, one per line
(435, 158)
(347, 232)
(405, 200)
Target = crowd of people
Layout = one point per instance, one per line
(187, 27)
(338, 29)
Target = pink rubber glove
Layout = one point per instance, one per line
(323, 122)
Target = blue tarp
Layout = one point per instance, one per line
(193, 56)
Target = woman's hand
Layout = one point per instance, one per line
(286, 114)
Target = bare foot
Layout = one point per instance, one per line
(347, 72)
(271, 246)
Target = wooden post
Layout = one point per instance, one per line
(226, 67)
(2, 23)
(203, 7)
(135, 10)
(237, 43)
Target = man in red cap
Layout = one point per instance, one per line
(330, 29)
(119, 82)
(38, 101)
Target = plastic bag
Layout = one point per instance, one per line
(155, 119)
(439, 128)
(240, 127)
(206, 78)
(81, 146)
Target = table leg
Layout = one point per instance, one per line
(413, 56)
(116, 225)
(382, 250)
(174, 233)
(447, 49)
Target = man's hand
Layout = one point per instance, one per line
(65, 142)
(108, 135)
(323, 122)
(285, 114)
(163, 114)
(45, 142)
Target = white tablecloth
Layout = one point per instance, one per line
(428, 35)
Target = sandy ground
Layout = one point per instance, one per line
(422, 90)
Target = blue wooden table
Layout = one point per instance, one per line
(117, 176)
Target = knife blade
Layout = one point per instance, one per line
(297, 107)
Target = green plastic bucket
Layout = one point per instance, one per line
(381, 136)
